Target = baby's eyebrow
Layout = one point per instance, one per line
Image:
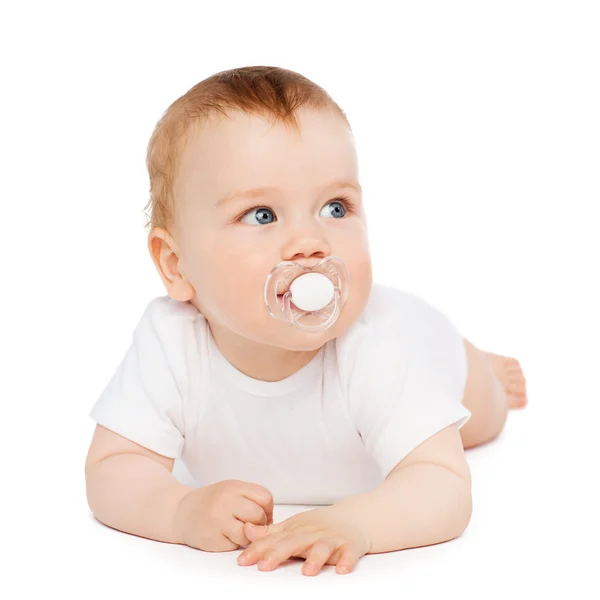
(263, 190)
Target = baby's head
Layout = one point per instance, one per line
(214, 237)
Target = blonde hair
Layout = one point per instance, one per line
(271, 92)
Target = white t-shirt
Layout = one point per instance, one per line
(334, 428)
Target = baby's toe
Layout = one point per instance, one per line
(517, 389)
(516, 386)
(517, 401)
(512, 364)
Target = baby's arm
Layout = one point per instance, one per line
(131, 488)
(426, 498)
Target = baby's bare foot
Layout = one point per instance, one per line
(509, 373)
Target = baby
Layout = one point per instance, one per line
(274, 367)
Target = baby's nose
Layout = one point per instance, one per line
(305, 243)
(310, 261)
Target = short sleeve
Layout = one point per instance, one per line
(407, 382)
(143, 400)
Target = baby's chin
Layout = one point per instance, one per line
(289, 337)
(303, 341)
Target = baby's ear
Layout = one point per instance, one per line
(163, 250)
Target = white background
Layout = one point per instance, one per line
(478, 131)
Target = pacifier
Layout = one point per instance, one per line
(308, 298)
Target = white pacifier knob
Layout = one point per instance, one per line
(311, 291)
(312, 299)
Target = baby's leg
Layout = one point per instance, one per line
(495, 384)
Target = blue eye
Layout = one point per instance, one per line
(264, 216)
(336, 210)
(261, 215)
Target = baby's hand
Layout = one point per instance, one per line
(321, 536)
(212, 517)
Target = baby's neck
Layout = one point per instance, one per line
(259, 361)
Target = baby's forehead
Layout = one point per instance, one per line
(236, 128)
(250, 151)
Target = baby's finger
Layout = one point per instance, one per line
(234, 530)
(257, 549)
(248, 511)
(317, 556)
(348, 559)
(258, 494)
(294, 544)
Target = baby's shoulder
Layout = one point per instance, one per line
(164, 309)
(398, 332)
(170, 323)
(390, 319)
(388, 308)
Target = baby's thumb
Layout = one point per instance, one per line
(255, 532)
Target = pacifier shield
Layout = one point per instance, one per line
(308, 298)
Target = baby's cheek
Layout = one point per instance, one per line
(361, 281)
(361, 274)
